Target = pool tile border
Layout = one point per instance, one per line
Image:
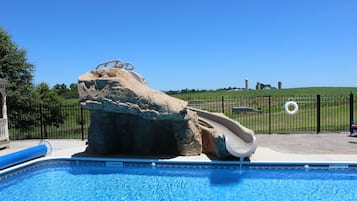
(120, 162)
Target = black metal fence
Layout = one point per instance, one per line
(75, 124)
(316, 114)
(266, 115)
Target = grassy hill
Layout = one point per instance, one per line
(301, 92)
(308, 91)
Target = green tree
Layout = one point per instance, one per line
(74, 90)
(64, 92)
(61, 90)
(52, 113)
(20, 90)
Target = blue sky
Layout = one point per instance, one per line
(195, 44)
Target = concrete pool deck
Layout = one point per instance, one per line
(327, 147)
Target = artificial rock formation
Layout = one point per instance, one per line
(124, 91)
(213, 142)
(128, 117)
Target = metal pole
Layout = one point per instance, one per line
(351, 113)
(269, 114)
(41, 123)
(82, 123)
(223, 104)
(318, 114)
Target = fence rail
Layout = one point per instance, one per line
(316, 114)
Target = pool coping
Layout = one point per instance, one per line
(120, 162)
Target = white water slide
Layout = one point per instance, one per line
(240, 141)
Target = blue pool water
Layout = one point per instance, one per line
(73, 180)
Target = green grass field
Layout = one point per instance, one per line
(309, 91)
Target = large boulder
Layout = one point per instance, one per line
(124, 91)
(128, 117)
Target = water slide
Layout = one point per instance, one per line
(240, 141)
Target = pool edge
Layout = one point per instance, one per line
(158, 162)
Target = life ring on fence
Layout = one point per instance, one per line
(295, 107)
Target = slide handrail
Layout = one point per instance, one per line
(117, 64)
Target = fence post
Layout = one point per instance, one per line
(318, 114)
(351, 112)
(41, 123)
(269, 114)
(223, 104)
(82, 123)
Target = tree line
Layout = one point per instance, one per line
(184, 91)
(66, 93)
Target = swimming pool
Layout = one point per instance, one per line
(74, 179)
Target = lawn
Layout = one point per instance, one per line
(302, 92)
